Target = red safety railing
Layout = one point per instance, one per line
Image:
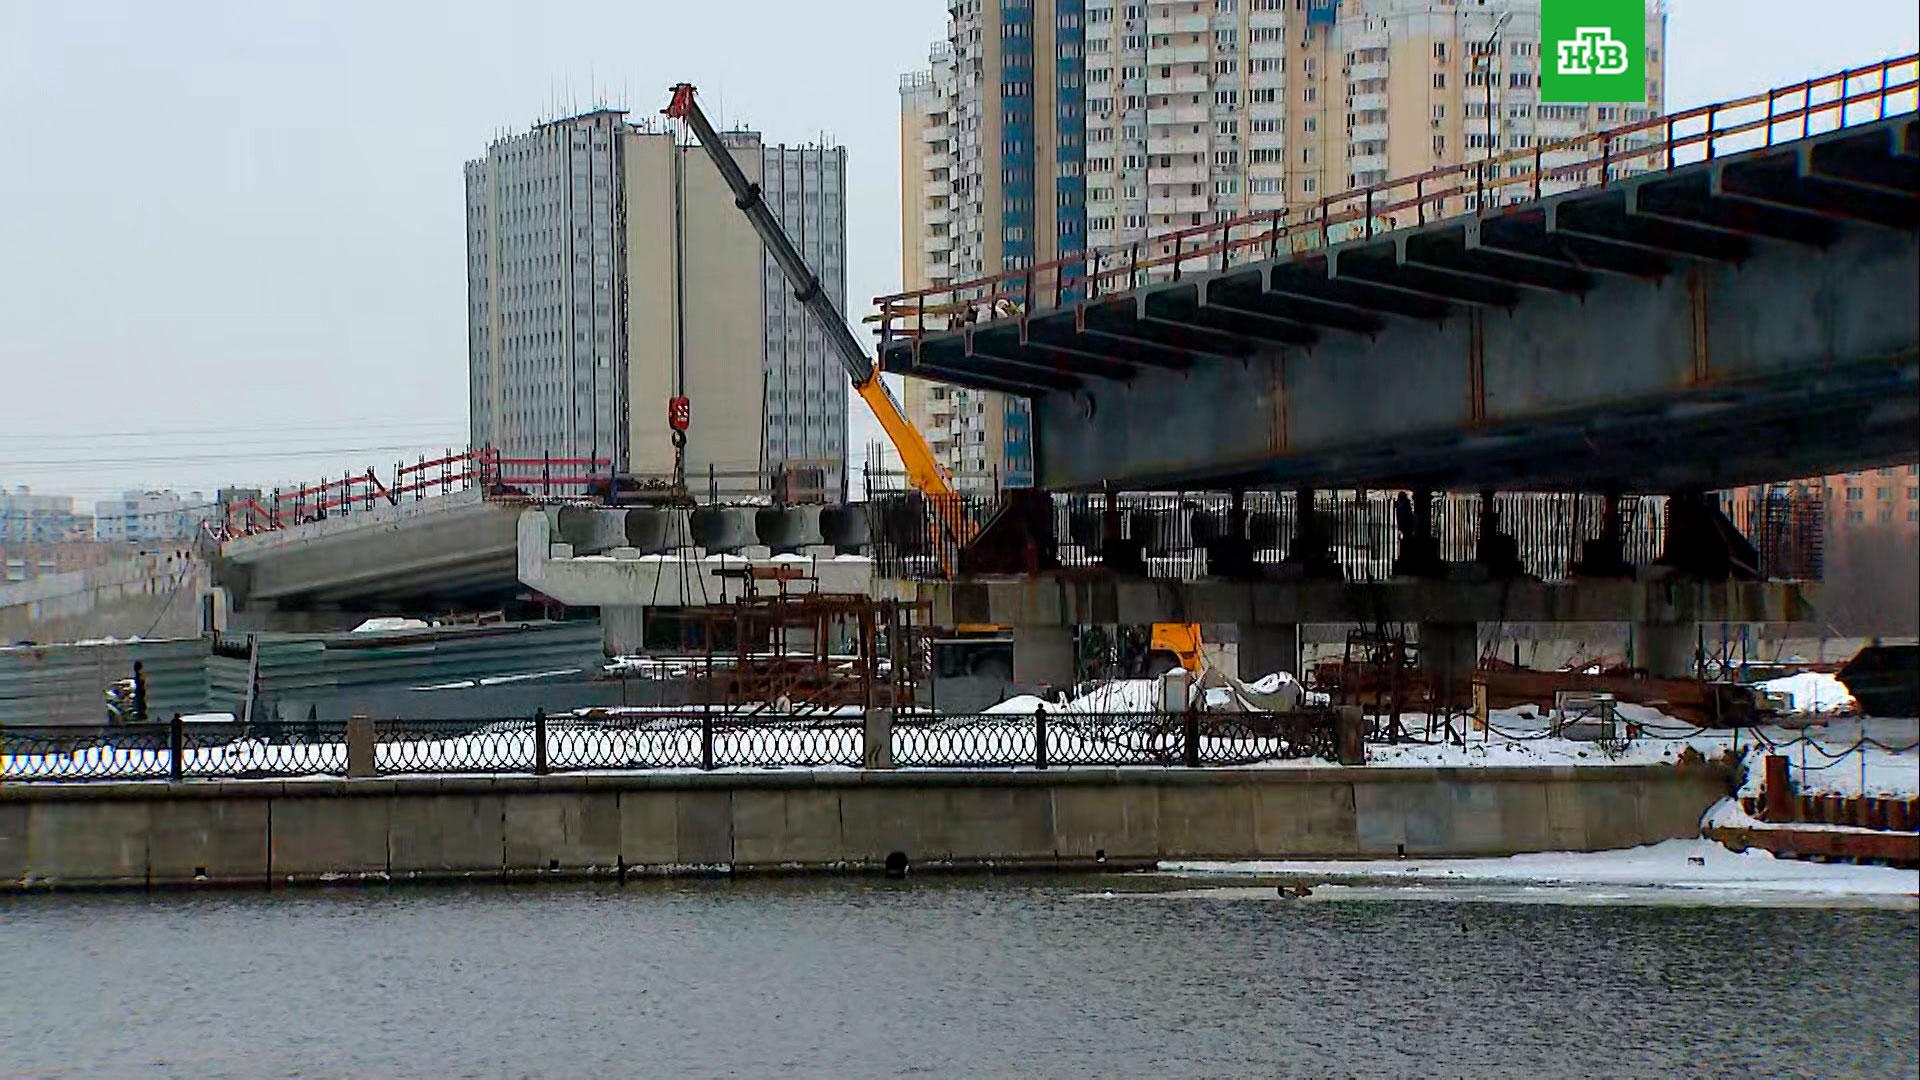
(499, 477)
(1843, 99)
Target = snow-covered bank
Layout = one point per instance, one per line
(1689, 865)
(1813, 692)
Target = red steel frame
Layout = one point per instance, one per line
(500, 477)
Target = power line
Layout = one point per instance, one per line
(234, 455)
(342, 424)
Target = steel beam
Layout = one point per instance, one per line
(1605, 220)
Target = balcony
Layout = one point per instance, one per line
(1367, 102)
(1367, 163)
(937, 215)
(1261, 19)
(1376, 69)
(1177, 144)
(1178, 114)
(1182, 54)
(1178, 174)
(1179, 84)
(937, 189)
(937, 133)
(1368, 133)
(1178, 24)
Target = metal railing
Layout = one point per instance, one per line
(1589, 160)
(542, 745)
(486, 468)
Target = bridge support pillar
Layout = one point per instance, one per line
(1267, 648)
(1044, 656)
(1666, 650)
(623, 629)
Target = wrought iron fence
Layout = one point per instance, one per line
(540, 745)
(1058, 739)
(162, 751)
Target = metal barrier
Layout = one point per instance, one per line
(497, 475)
(1853, 96)
(540, 745)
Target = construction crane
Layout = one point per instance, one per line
(923, 469)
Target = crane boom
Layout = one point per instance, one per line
(923, 470)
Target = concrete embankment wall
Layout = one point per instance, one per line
(157, 595)
(262, 832)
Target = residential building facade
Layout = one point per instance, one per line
(806, 399)
(27, 518)
(966, 429)
(1060, 126)
(609, 272)
(144, 517)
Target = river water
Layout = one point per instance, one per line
(952, 977)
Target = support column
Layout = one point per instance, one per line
(1044, 655)
(1450, 650)
(1666, 650)
(1267, 648)
(623, 629)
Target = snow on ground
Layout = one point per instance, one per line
(1813, 692)
(389, 625)
(1690, 865)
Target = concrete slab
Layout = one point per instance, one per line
(448, 835)
(320, 837)
(1211, 820)
(88, 843)
(649, 830)
(777, 828)
(570, 833)
(703, 828)
(1121, 822)
(219, 841)
(1303, 819)
(13, 841)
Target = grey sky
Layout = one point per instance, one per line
(231, 241)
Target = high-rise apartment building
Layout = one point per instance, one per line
(806, 403)
(609, 272)
(966, 429)
(1067, 125)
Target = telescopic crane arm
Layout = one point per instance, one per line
(923, 471)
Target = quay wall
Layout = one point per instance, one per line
(256, 832)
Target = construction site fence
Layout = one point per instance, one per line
(1486, 186)
(1171, 535)
(695, 740)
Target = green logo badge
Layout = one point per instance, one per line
(1593, 51)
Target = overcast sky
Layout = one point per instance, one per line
(231, 234)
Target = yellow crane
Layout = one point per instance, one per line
(922, 468)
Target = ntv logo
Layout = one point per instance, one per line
(1593, 50)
